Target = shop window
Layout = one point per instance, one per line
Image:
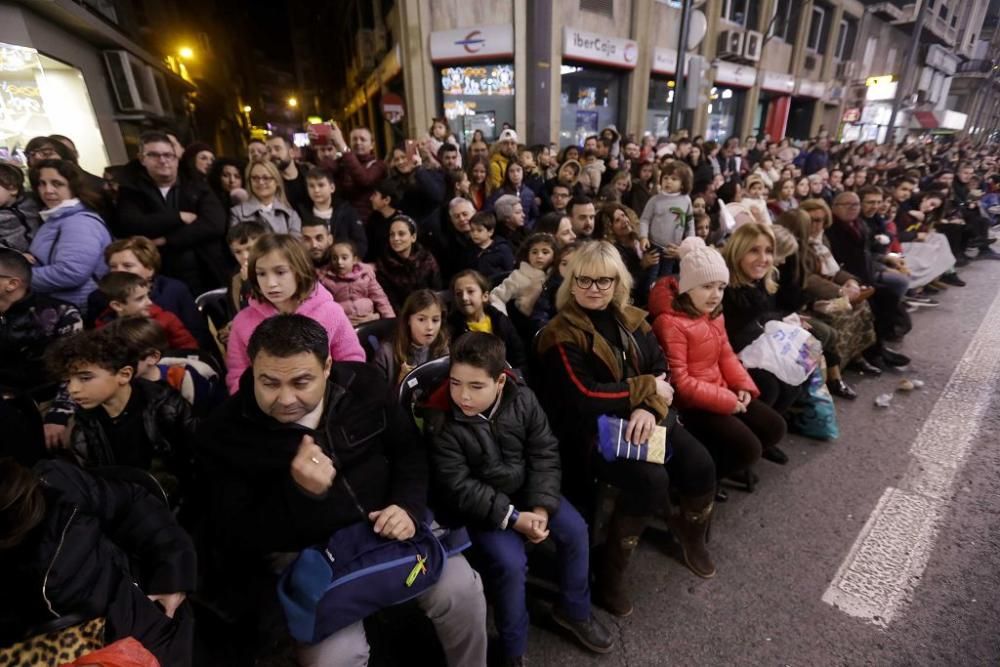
(785, 22)
(602, 7)
(590, 101)
(478, 97)
(39, 96)
(661, 99)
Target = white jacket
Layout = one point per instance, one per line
(524, 285)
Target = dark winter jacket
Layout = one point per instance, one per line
(246, 455)
(79, 560)
(344, 225)
(19, 221)
(527, 198)
(193, 252)
(851, 246)
(27, 329)
(497, 258)
(356, 177)
(453, 251)
(423, 196)
(169, 426)
(400, 276)
(502, 329)
(482, 466)
(747, 309)
(588, 375)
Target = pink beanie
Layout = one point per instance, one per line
(700, 264)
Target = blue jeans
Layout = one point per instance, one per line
(503, 564)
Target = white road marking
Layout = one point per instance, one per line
(887, 561)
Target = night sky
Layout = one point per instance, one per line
(270, 29)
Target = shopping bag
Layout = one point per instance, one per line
(813, 413)
(787, 351)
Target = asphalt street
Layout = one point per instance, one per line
(779, 549)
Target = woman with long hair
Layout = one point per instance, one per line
(267, 202)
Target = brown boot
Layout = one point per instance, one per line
(623, 538)
(690, 528)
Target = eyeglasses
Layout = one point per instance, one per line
(603, 283)
(45, 153)
(262, 179)
(166, 157)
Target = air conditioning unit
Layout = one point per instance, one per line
(731, 44)
(848, 70)
(810, 61)
(133, 83)
(753, 45)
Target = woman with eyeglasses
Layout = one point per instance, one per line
(267, 202)
(67, 251)
(600, 357)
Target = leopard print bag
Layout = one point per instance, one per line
(57, 647)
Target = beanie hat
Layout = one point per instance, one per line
(700, 264)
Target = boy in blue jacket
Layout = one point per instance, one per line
(496, 464)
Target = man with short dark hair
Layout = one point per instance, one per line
(279, 150)
(182, 216)
(29, 324)
(583, 216)
(449, 157)
(355, 168)
(307, 447)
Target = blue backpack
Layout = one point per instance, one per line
(358, 573)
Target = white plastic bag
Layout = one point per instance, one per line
(789, 352)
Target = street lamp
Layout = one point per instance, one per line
(293, 102)
(186, 53)
(247, 109)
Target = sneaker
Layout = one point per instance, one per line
(589, 632)
(952, 279)
(921, 301)
(911, 307)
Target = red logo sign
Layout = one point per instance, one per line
(473, 42)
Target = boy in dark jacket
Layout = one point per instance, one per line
(493, 254)
(122, 420)
(496, 463)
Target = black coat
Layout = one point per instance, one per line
(193, 252)
(168, 423)
(482, 467)
(502, 328)
(344, 225)
(852, 250)
(747, 309)
(27, 329)
(498, 258)
(256, 508)
(101, 547)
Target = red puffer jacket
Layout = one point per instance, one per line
(704, 370)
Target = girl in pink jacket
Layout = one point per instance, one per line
(353, 285)
(283, 281)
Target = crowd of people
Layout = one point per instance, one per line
(202, 360)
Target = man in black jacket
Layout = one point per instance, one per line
(306, 447)
(29, 324)
(182, 217)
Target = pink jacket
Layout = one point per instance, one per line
(320, 306)
(358, 292)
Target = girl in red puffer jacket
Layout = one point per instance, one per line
(715, 394)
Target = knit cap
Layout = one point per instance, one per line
(700, 264)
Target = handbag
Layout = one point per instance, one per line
(357, 573)
(57, 646)
(612, 445)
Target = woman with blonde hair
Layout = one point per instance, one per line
(749, 304)
(267, 202)
(601, 359)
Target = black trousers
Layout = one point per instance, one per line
(645, 487)
(736, 441)
(774, 392)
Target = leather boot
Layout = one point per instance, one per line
(622, 539)
(690, 528)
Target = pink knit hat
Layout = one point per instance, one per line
(700, 264)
